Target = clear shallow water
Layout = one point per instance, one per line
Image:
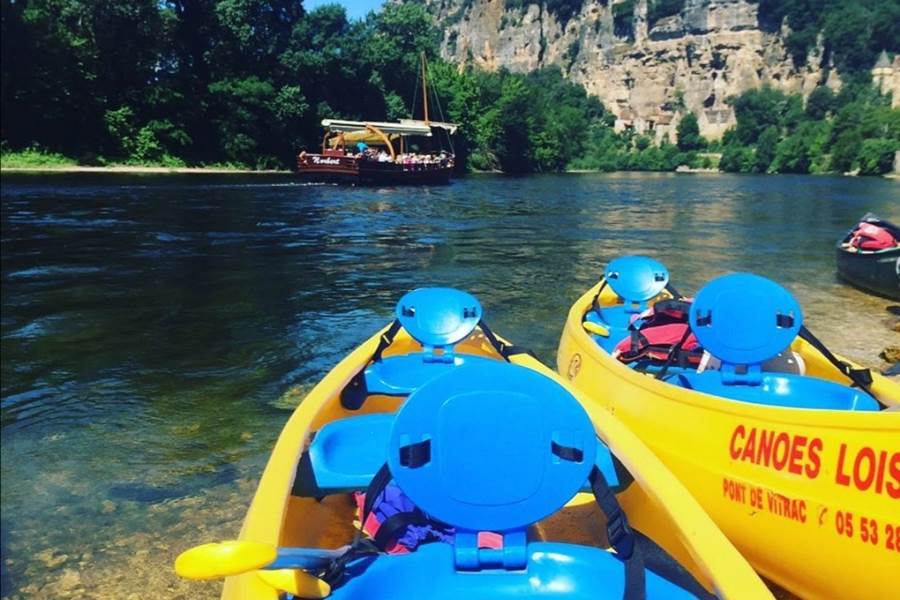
(156, 331)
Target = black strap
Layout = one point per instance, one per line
(503, 349)
(619, 533)
(635, 582)
(387, 338)
(620, 536)
(394, 526)
(675, 293)
(376, 488)
(674, 351)
(361, 545)
(595, 303)
(335, 570)
(861, 378)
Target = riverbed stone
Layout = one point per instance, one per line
(50, 559)
(891, 354)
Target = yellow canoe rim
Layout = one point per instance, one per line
(656, 503)
(810, 497)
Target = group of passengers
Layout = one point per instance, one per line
(408, 159)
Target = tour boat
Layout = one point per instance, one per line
(408, 151)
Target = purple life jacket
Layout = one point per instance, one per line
(392, 502)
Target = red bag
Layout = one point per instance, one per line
(872, 237)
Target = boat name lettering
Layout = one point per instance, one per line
(778, 450)
(323, 160)
(864, 468)
(867, 470)
(764, 500)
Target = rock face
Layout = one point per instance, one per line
(648, 73)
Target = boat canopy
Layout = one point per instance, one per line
(449, 127)
(413, 128)
(353, 137)
(401, 127)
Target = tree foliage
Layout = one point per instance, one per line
(854, 32)
(249, 81)
(689, 134)
(854, 130)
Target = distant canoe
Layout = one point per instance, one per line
(875, 271)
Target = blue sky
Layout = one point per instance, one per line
(356, 9)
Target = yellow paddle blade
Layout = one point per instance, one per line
(222, 559)
(296, 582)
(595, 328)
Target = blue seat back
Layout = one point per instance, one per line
(491, 447)
(438, 317)
(744, 320)
(636, 279)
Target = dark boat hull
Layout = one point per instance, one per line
(875, 272)
(348, 169)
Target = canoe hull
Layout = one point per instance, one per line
(794, 490)
(655, 502)
(874, 272)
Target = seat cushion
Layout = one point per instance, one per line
(553, 570)
(777, 389)
(344, 456)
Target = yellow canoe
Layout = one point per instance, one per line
(821, 518)
(655, 502)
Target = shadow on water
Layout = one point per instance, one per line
(155, 330)
(191, 486)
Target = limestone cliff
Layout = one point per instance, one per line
(647, 68)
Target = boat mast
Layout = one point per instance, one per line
(424, 89)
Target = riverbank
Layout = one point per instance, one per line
(140, 170)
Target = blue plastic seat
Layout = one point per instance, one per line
(492, 447)
(745, 320)
(636, 280)
(437, 318)
(345, 455)
(485, 447)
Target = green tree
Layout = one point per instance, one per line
(876, 156)
(755, 111)
(820, 102)
(514, 154)
(688, 132)
(766, 148)
(738, 159)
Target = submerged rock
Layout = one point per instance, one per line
(891, 354)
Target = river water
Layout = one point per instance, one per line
(157, 330)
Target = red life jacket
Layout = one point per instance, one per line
(656, 331)
(869, 236)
